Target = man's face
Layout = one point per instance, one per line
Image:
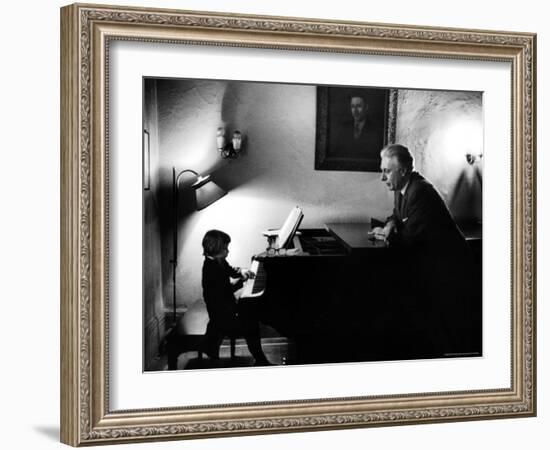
(393, 175)
(358, 108)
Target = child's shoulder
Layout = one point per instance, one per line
(215, 264)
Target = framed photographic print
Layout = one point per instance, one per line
(276, 224)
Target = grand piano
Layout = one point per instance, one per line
(331, 292)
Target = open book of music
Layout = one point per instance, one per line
(254, 287)
(286, 233)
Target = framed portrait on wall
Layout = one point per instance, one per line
(295, 89)
(353, 124)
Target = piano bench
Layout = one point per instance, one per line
(176, 344)
(189, 334)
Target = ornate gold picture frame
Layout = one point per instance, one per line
(87, 416)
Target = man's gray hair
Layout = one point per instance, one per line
(401, 153)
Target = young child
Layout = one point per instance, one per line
(223, 311)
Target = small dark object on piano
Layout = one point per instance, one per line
(376, 223)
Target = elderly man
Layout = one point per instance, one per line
(433, 257)
(420, 216)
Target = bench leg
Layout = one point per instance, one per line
(173, 360)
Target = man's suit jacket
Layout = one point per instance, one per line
(423, 220)
(434, 259)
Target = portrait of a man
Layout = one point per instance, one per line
(353, 124)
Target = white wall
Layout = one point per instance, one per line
(30, 235)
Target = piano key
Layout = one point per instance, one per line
(254, 287)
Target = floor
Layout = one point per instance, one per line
(278, 350)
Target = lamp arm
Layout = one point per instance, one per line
(178, 178)
(175, 192)
(175, 189)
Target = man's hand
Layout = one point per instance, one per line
(382, 234)
(378, 233)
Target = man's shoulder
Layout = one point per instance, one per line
(420, 186)
(418, 182)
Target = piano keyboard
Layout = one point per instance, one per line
(254, 287)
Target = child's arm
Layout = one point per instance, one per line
(239, 272)
(237, 285)
(236, 273)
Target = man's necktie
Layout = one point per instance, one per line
(400, 204)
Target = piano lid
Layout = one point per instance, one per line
(354, 236)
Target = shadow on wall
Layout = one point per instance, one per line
(440, 128)
(232, 173)
(189, 114)
(465, 202)
(187, 206)
(459, 134)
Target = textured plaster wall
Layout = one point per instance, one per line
(440, 128)
(276, 171)
(153, 304)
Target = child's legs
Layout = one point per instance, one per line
(250, 329)
(213, 340)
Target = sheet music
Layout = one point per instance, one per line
(289, 227)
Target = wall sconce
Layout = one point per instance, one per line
(472, 158)
(229, 149)
(206, 193)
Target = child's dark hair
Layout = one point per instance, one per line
(214, 242)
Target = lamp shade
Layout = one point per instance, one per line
(207, 192)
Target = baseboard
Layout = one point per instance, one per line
(154, 332)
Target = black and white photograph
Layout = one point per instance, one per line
(294, 224)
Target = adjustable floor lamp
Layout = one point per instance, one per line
(206, 193)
